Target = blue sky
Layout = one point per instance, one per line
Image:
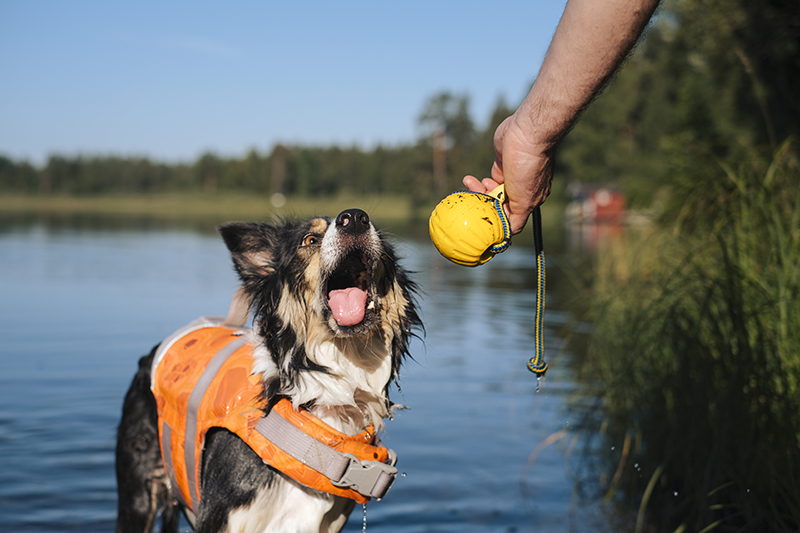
(172, 79)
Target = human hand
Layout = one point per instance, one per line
(524, 165)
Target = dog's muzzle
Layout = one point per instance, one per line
(347, 287)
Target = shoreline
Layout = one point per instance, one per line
(208, 206)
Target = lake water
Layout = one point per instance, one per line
(80, 305)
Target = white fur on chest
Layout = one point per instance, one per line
(352, 395)
(288, 507)
(347, 399)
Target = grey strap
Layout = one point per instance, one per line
(302, 446)
(344, 470)
(194, 404)
(166, 445)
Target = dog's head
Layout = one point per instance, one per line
(324, 282)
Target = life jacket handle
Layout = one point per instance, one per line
(239, 312)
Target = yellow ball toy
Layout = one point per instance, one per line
(469, 228)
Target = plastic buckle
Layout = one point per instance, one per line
(364, 476)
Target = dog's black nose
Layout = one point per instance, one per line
(354, 221)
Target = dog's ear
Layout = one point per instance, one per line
(250, 247)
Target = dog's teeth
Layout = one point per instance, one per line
(371, 305)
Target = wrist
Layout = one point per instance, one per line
(544, 120)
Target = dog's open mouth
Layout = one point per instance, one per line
(347, 290)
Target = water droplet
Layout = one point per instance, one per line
(636, 466)
(675, 493)
(613, 448)
(566, 424)
(364, 521)
(403, 474)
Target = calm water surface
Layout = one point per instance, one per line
(79, 306)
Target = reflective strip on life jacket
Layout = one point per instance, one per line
(202, 378)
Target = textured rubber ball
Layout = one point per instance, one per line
(469, 228)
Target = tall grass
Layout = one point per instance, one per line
(697, 348)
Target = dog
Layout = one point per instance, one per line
(333, 316)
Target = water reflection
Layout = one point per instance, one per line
(107, 222)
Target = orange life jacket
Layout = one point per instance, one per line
(203, 377)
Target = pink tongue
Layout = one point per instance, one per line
(347, 305)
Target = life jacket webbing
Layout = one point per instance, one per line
(199, 390)
(359, 462)
(202, 378)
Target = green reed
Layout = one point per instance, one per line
(697, 349)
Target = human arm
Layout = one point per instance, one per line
(592, 39)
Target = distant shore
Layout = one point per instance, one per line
(202, 211)
(210, 206)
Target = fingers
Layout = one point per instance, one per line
(517, 222)
(472, 184)
(485, 186)
(490, 184)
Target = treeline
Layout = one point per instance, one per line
(713, 81)
(450, 148)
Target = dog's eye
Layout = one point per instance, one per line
(310, 239)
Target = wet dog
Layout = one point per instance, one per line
(333, 315)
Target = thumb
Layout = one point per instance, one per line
(517, 222)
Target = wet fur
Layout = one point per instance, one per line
(340, 373)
